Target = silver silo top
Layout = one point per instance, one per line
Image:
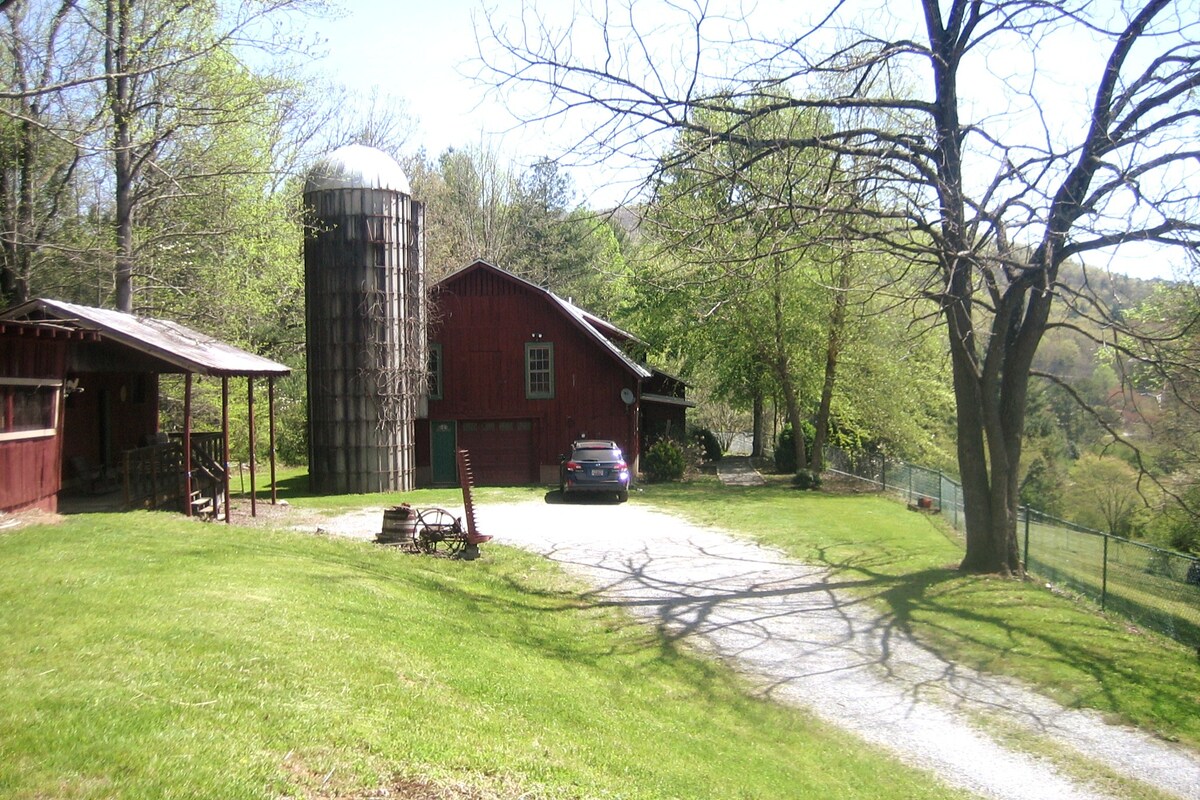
(356, 166)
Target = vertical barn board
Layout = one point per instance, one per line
(30, 475)
(483, 322)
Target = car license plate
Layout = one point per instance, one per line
(598, 473)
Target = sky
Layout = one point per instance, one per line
(424, 51)
(420, 51)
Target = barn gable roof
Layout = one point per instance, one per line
(594, 328)
(178, 346)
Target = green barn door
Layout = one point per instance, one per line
(445, 470)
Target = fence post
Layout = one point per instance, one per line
(940, 490)
(957, 502)
(1025, 562)
(1104, 577)
(883, 469)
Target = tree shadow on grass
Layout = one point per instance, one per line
(932, 632)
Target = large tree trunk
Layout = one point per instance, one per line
(833, 349)
(988, 452)
(116, 46)
(990, 395)
(759, 425)
(783, 374)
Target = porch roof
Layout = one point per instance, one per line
(178, 347)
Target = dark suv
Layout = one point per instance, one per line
(594, 465)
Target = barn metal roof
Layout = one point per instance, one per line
(183, 348)
(357, 166)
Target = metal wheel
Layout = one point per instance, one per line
(438, 529)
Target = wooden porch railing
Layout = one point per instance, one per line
(154, 475)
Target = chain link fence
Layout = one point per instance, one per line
(1154, 588)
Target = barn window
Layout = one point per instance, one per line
(435, 372)
(28, 407)
(539, 370)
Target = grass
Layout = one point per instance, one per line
(292, 486)
(142, 655)
(906, 563)
(1141, 584)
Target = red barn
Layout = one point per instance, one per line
(516, 373)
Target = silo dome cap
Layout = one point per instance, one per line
(356, 166)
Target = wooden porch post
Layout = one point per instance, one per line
(250, 410)
(187, 444)
(271, 418)
(225, 440)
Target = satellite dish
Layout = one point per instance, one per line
(627, 396)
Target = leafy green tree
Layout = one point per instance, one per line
(1103, 494)
(980, 213)
(143, 90)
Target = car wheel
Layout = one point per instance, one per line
(622, 495)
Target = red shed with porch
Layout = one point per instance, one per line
(516, 373)
(79, 408)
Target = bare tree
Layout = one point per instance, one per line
(40, 135)
(136, 81)
(983, 207)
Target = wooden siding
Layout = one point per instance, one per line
(29, 468)
(115, 412)
(483, 322)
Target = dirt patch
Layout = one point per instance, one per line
(24, 519)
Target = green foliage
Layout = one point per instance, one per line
(707, 442)
(785, 447)
(807, 479)
(664, 461)
(1173, 526)
(1103, 494)
(1042, 488)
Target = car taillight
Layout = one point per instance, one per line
(572, 466)
(622, 466)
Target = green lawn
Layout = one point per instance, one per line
(1141, 584)
(142, 655)
(906, 561)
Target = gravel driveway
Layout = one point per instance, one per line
(787, 627)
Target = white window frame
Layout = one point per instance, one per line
(55, 401)
(530, 372)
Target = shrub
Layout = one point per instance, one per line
(807, 479)
(785, 447)
(664, 462)
(706, 440)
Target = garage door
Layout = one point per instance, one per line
(501, 451)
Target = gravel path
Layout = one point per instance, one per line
(788, 627)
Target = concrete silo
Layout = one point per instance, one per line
(365, 318)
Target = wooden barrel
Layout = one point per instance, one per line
(399, 525)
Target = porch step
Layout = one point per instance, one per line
(203, 506)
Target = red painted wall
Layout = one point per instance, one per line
(115, 412)
(482, 322)
(29, 475)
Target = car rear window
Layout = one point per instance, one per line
(607, 454)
